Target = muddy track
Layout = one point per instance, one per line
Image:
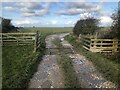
(49, 75)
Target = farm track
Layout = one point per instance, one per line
(49, 75)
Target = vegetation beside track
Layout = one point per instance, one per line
(19, 63)
(109, 68)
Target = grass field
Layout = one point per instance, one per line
(19, 62)
(47, 30)
(110, 69)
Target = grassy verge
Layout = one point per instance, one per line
(19, 64)
(66, 64)
(108, 68)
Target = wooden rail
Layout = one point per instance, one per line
(21, 39)
(100, 45)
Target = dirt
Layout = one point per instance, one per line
(49, 75)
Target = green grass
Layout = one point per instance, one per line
(18, 65)
(70, 78)
(47, 30)
(66, 65)
(108, 68)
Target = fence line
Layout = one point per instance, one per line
(100, 45)
(21, 39)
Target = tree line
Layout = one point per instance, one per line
(7, 26)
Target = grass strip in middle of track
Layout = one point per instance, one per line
(66, 65)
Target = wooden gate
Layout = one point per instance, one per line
(100, 45)
(21, 39)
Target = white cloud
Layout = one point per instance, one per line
(26, 21)
(30, 5)
(26, 10)
(59, 23)
(30, 0)
(9, 8)
(74, 8)
(51, 22)
(85, 15)
(109, 0)
(81, 5)
(74, 11)
(42, 12)
(70, 22)
(29, 9)
(36, 13)
(105, 21)
(59, 0)
(54, 22)
(28, 14)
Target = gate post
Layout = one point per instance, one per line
(35, 43)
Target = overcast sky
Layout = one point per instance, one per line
(57, 13)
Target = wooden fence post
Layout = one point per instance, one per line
(17, 42)
(95, 41)
(115, 45)
(35, 43)
(101, 43)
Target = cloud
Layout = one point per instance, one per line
(80, 5)
(109, 0)
(31, 9)
(59, 1)
(30, 0)
(30, 5)
(26, 21)
(51, 22)
(105, 21)
(59, 23)
(9, 8)
(74, 8)
(54, 22)
(26, 14)
(26, 10)
(85, 15)
(36, 13)
(75, 11)
(70, 23)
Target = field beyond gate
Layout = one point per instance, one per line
(21, 39)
